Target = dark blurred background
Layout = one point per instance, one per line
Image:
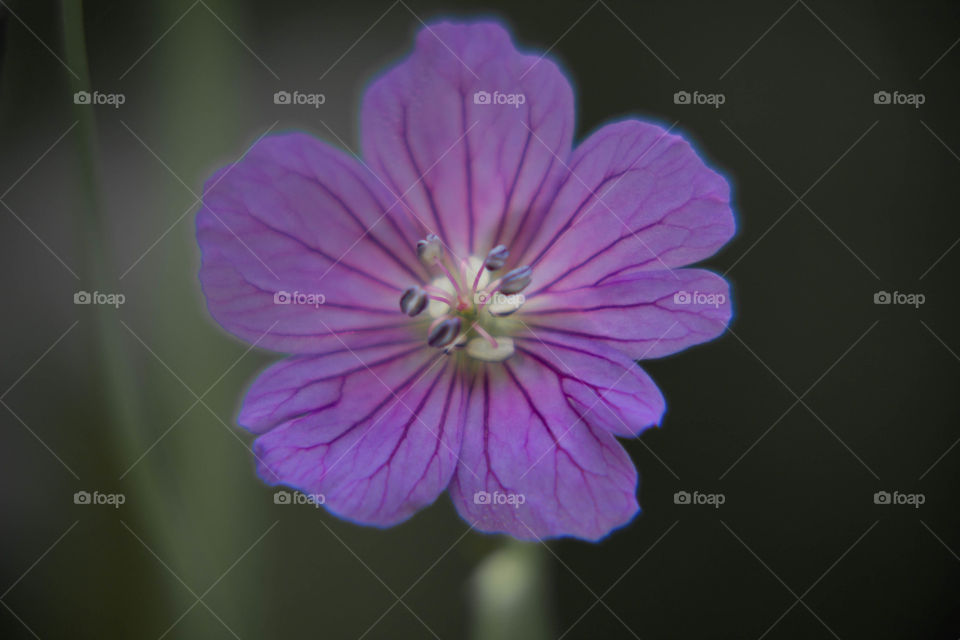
(816, 400)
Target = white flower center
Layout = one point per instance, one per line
(468, 306)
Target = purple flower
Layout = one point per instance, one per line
(465, 303)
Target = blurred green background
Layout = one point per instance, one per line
(141, 400)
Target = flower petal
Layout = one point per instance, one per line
(470, 170)
(376, 431)
(647, 314)
(634, 198)
(297, 216)
(531, 467)
(601, 384)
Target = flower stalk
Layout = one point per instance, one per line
(120, 394)
(510, 594)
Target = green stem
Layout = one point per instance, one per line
(511, 594)
(120, 393)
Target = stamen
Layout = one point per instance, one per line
(435, 322)
(457, 311)
(429, 288)
(413, 301)
(445, 332)
(464, 272)
(459, 343)
(500, 304)
(483, 332)
(516, 280)
(430, 249)
(481, 350)
(496, 258)
(476, 281)
(446, 272)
